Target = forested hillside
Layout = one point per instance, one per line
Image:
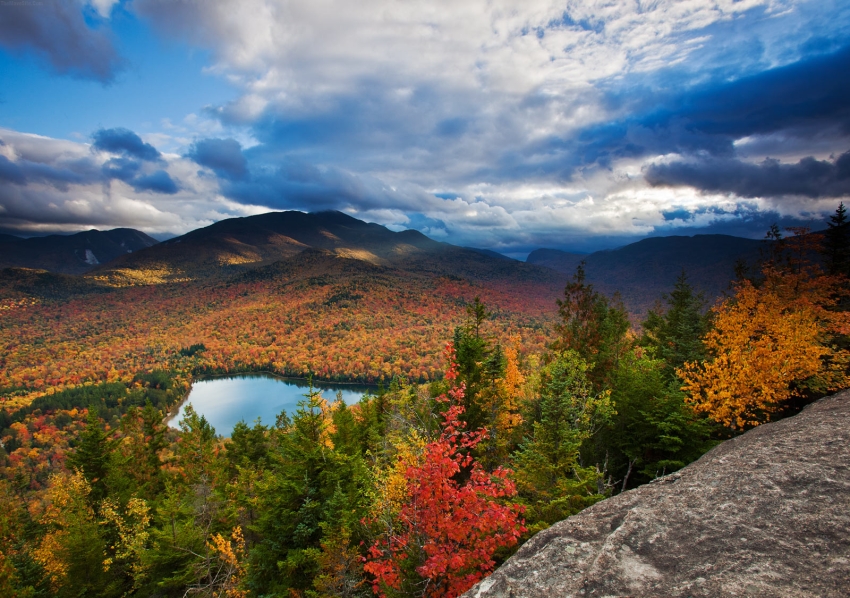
(640, 272)
(236, 245)
(508, 401)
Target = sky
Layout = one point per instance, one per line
(506, 125)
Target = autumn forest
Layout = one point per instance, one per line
(507, 398)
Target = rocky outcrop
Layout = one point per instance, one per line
(764, 514)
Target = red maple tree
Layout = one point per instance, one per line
(453, 522)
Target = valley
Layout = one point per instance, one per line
(517, 393)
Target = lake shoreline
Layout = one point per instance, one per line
(350, 388)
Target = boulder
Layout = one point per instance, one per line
(764, 514)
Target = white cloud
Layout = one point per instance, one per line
(63, 188)
(103, 7)
(459, 118)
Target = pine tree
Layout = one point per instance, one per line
(837, 243)
(153, 431)
(92, 457)
(315, 484)
(473, 355)
(593, 326)
(676, 335)
(568, 411)
(654, 431)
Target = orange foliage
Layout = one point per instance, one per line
(770, 342)
(334, 327)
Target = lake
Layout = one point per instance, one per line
(227, 400)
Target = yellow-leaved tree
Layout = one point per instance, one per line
(773, 339)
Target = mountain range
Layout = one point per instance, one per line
(71, 254)
(235, 245)
(643, 271)
(640, 272)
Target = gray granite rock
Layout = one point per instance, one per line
(764, 514)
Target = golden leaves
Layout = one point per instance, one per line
(231, 568)
(770, 342)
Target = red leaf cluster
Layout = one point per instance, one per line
(453, 522)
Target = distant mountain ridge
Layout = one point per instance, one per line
(641, 272)
(71, 254)
(235, 245)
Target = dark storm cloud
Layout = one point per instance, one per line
(224, 156)
(57, 32)
(808, 92)
(298, 185)
(60, 172)
(808, 97)
(157, 182)
(11, 172)
(746, 220)
(124, 141)
(124, 169)
(58, 175)
(808, 177)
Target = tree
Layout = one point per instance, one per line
(655, 431)
(772, 340)
(836, 248)
(568, 411)
(676, 334)
(592, 326)
(314, 487)
(196, 446)
(92, 458)
(452, 523)
(75, 552)
(136, 469)
(503, 399)
(472, 354)
(477, 313)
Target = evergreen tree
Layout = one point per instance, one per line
(567, 412)
(315, 485)
(593, 326)
(676, 334)
(654, 431)
(477, 313)
(472, 351)
(248, 447)
(836, 247)
(153, 432)
(92, 457)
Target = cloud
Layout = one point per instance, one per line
(124, 169)
(124, 141)
(803, 99)
(807, 178)
(11, 172)
(57, 33)
(461, 90)
(158, 182)
(224, 156)
(53, 185)
(485, 122)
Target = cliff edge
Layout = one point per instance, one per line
(764, 514)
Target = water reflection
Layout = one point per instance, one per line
(227, 400)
